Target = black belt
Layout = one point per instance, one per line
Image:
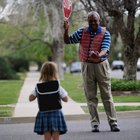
(94, 62)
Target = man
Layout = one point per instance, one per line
(93, 52)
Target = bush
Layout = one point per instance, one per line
(125, 85)
(19, 64)
(6, 71)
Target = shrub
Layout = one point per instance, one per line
(125, 85)
(6, 71)
(19, 64)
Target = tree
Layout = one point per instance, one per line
(18, 11)
(25, 40)
(120, 16)
(55, 14)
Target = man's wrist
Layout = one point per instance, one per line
(66, 30)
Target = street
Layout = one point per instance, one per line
(78, 130)
(119, 74)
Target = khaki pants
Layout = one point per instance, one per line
(93, 75)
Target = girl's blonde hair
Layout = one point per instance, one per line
(48, 71)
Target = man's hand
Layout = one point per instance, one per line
(66, 25)
(94, 54)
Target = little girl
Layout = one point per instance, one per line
(50, 120)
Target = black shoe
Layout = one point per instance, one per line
(115, 128)
(95, 128)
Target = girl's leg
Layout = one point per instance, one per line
(47, 135)
(55, 135)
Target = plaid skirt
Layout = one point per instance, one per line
(50, 121)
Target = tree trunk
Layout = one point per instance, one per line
(130, 51)
(55, 14)
(58, 56)
(130, 65)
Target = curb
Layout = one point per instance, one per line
(122, 115)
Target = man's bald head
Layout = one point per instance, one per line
(94, 13)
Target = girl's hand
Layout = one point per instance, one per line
(32, 97)
(65, 99)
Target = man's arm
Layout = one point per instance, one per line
(73, 38)
(66, 31)
(106, 42)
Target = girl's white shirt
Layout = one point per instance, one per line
(63, 93)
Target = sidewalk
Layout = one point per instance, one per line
(24, 108)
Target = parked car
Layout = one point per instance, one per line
(138, 65)
(117, 64)
(75, 67)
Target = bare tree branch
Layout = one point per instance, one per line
(34, 39)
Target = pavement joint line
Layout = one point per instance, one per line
(77, 117)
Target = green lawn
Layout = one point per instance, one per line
(9, 93)
(10, 89)
(74, 85)
(6, 111)
(119, 99)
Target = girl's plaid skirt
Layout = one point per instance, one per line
(50, 121)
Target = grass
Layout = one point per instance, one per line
(9, 93)
(10, 89)
(119, 99)
(73, 83)
(6, 111)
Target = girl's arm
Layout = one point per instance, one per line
(63, 94)
(32, 96)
